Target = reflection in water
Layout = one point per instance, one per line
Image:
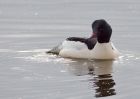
(102, 80)
(104, 85)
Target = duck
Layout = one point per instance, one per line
(97, 46)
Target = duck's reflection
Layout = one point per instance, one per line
(101, 71)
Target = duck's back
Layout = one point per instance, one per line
(74, 49)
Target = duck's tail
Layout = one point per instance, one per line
(55, 50)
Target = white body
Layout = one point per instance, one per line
(77, 49)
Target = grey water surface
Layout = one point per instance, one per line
(28, 28)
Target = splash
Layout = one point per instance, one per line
(39, 55)
(127, 57)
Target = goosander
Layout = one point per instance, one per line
(98, 46)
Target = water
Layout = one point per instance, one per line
(29, 28)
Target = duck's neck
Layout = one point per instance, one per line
(93, 35)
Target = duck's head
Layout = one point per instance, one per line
(102, 30)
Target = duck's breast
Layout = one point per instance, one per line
(105, 51)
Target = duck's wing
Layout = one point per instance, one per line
(76, 39)
(90, 42)
(58, 48)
